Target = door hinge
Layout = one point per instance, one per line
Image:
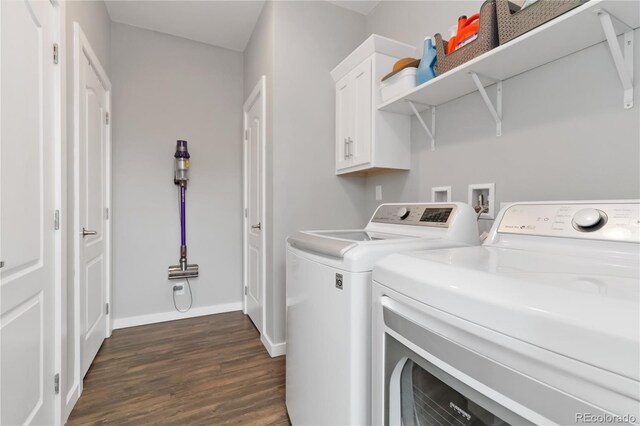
(106, 117)
(245, 290)
(246, 135)
(106, 310)
(106, 213)
(56, 383)
(56, 220)
(55, 53)
(245, 212)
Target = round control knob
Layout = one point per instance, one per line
(589, 219)
(403, 213)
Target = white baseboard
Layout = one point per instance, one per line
(274, 349)
(70, 401)
(174, 315)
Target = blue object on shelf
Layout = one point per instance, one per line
(427, 67)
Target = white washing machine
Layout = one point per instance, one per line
(539, 325)
(329, 304)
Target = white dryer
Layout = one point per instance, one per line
(539, 325)
(329, 304)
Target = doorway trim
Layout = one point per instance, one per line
(60, 238)
(81, 46)
(259, 90)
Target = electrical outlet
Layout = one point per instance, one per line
(441, 194)
(178, 289)
(485, 192)
(378, 192)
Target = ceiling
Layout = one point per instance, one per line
(227, 24)
(361, 6)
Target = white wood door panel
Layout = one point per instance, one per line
(254, 256)
(94, 296)
(27, 85)
(94, 312)
(23, 354)
(254, 290)
(94, 158)
(92, 201)
(254, 280)
(22, 136)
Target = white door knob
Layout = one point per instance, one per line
(588, 218)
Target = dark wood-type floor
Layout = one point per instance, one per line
(202, 371)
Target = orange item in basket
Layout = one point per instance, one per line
(467, 28)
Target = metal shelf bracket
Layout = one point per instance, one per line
(496, 112)
(622, 61)
(430, 132)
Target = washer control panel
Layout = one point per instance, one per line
(612, 222)
(438, 215)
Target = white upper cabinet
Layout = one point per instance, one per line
(369, 140)
(344, 108)
(353, 117)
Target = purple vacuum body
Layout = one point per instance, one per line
(180, 178)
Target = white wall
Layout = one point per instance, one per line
(259, 61)
(296, 45)
(565, 133)
(167, 88)
(258, 55)
(96, 24)
(411, 21)
(311, 38)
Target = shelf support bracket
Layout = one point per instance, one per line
(622, 61)
(496, 112)
(430, 132)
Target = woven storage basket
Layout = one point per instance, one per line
(487, 40)
(512, 25)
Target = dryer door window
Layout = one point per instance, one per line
(427, 400)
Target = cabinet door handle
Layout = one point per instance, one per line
(346, 148)
(350, 144)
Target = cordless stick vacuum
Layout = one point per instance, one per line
(180, 178)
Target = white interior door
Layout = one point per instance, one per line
(254, 203)
(27, 86)
(92, 191)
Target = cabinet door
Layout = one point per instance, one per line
(359, 146)
(344, 120)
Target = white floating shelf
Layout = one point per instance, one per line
(567, 34)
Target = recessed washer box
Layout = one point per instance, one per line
(441, 194)
(487, 191)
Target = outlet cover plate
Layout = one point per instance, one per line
(181, 286)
